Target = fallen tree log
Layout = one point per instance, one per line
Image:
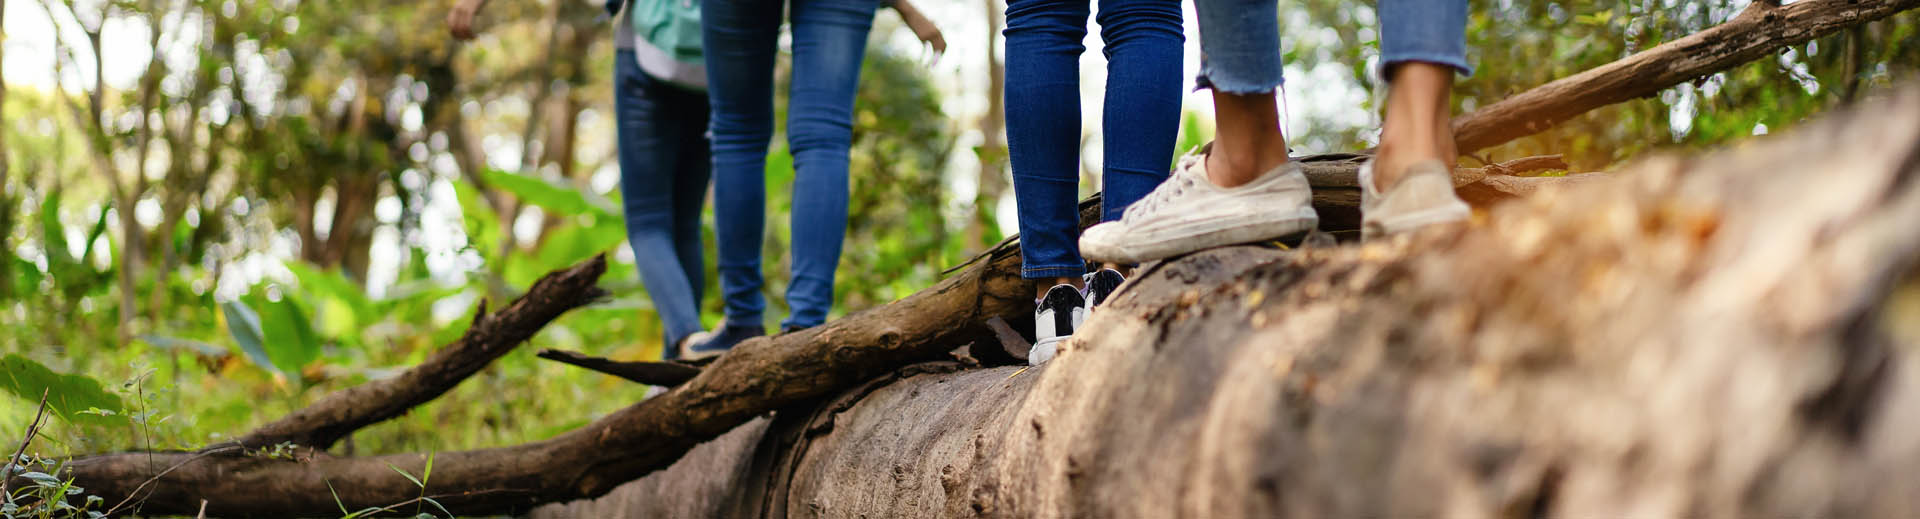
(1736, 334)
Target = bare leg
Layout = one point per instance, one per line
(1248, 142)
(1418, 125)
(1042, 285)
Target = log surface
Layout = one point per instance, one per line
(1704, 336)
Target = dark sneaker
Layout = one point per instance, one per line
(1101, 285)
(711, 344)
(792, 328)
(1054, 320)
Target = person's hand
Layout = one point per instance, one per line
(460, 18)
(922, 27)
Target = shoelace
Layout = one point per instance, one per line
(1182, 180)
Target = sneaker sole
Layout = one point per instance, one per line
(1044, 351)
(695, 356)
(1232, 232)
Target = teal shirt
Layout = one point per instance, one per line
(665, 38)
(673, 26)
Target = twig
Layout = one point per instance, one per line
(33, 429)
(666, 374)
(210, 451)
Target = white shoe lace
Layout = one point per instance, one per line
(1182, 180)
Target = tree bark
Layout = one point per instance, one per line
(1688, 339)
(1764, 27)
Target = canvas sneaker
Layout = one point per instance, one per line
(1423, 197)
(1054, 320)
(1101, 285)
(1188, 213)
(703, 345)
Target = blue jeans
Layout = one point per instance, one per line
(829, 41)
(1140, 122)
(1240, 40)
(663, 183)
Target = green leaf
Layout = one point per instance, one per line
(67, 395)
(416, 481)
(564, 200)
(348, 307)
(290, 341)
(42, 479)
(244, 325)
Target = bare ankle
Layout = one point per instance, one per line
(1233, 169)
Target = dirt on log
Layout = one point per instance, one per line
(1734, 334)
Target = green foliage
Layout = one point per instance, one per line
(564, 200)
(69, 396)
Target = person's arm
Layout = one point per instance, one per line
(460, 18)
(922, 27)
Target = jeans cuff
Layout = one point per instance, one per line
(1053, 271)
(1452, 60)
(1203, 81)
(743, 320)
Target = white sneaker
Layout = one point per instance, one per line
(1423, 197)
(1188, 213)
(1054, 320)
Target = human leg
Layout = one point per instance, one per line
(1423, 44)
(1408, 184)
(1243, 190)
(1043, 134)
(829, 42)
(739, 38)
(650, 133)
(1141, 116)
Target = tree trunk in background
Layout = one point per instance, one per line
(6, 199)
(993, 132)
(1691, 339)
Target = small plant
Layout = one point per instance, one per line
(49, 497)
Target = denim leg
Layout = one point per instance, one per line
(690, 190)
(739, 37)
(1144, 42)
(1434, 31)
(651, 132)
(1239, 45)
(829, 42)
(1043, 131)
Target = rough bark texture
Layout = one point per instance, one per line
(491, 336)
(1732, 335)
(1765, 26)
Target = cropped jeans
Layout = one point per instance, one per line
(1240, 40)
(829, 42)
(663, 183)
(1140, 119)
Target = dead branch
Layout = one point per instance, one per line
(491, 335)
(1756, 32)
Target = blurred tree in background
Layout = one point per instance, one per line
(293, 197)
